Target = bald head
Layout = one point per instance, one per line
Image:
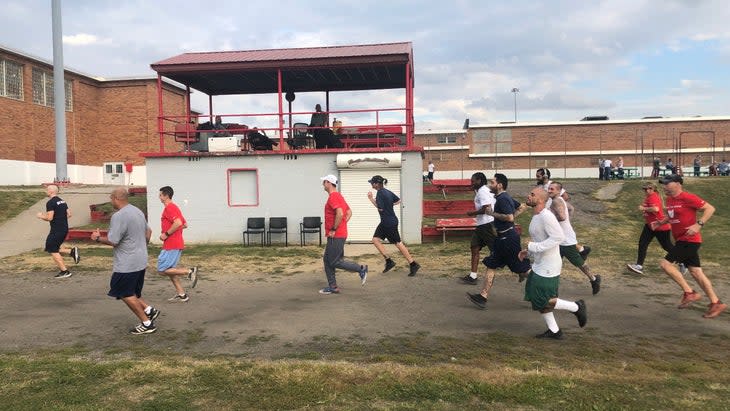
(537, 198)
(52, 190)
(120, 194)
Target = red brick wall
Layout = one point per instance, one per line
(110, 121)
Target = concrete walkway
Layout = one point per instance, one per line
(26, 232)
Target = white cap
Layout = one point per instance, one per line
(329, 177)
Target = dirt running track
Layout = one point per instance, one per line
(271, 315)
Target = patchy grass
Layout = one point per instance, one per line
(13, 202)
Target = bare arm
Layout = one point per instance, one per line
(559, 209)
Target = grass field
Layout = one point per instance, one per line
(593, 371)
(13, 202)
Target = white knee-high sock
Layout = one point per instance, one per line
(550, 321)
(566, 305)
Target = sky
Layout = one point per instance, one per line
(625, 59)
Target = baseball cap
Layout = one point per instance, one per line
(672, 178)
(376, 179)
(329, 177)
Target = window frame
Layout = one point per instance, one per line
(42, 81)
(5, 76)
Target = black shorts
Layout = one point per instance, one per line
(387, 233)
(685, 253)
(484, 235)
(126, 284)
(506, 248)
(54, 241)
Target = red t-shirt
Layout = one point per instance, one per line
(169, 214)
(682, 212)
(653, 200)
(334, 202)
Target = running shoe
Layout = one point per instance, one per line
(179, 298)
(582, 313)
(330, 290)
(468, 280)
(596, 284)
(585, 252)
(715, 309)
(63, 274)
(637, 268)
(154, 313)
(75, 255)
(193, 276)
(143, 329)
(414, 269)
(363, 273)
(549, 334)
(689, 298)
(478, 300)
(683, 269)
(389, 264)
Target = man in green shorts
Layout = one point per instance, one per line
(541, 288)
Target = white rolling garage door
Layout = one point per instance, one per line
(354, 187)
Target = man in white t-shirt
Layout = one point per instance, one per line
(541, 288)
(484, 233)
(431, 169)
(568, 249)
(607, 169)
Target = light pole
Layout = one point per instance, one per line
(515, 90)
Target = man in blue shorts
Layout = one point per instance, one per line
(507, 244)
(172, 224)
(129, 234)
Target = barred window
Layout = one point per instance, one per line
(492, 141)
(43, 89)
(11, 79)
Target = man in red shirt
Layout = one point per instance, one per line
(651, 208)
(336, 215)
(173, 222)
(682, 210)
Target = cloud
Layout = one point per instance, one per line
(84, 39)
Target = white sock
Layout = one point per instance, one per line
(550, 321)
(148, 309)
(473, 274)
(147, 323)
(566, 305)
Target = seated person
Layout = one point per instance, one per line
(723, 168)
(258, 140)
(218, 125)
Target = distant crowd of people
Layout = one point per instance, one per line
(608, 171)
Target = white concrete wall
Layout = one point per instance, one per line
(27, 173)
(287, 188)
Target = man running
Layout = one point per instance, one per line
(57, 214)
(384, 201)
(172, 224)
(682, 208)
(651, 208)
(568, 249)
(541, 288)
(484, 233)
(336, 215)
(507, 243)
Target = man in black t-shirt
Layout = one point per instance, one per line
(57, 214)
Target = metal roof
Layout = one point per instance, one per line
(337, 68)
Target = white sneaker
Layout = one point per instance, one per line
(637, 268)
(683, 269)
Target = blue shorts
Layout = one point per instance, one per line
(506, 249)
(126, 284)
(168, 259)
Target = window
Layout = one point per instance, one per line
(43, 89)
(492, 141)
(243, 187)
(446, 139)
(11, 79)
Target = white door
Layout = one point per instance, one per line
(354, 187)
(114, 173)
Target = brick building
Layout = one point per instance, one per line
(574, 148)
(106, 120)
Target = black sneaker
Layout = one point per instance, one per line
(582, 313)
(154, 313)
(179, 298)
(143, 329)
(414, 269)
(585, 252)
(478, 300)
(468, 280)
(596, 284)
(549, 334)
(75, 255)
(389, 264)
(63, 274)
(193, 276)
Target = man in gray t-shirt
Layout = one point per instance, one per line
(129, 234)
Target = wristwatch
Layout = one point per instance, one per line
(701, 223)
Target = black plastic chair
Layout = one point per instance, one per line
(254, 226)
(278, 225)
(310, 225)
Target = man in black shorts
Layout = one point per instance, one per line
(57, 213)
(384, 201)
(507, 244)
(484, 233)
